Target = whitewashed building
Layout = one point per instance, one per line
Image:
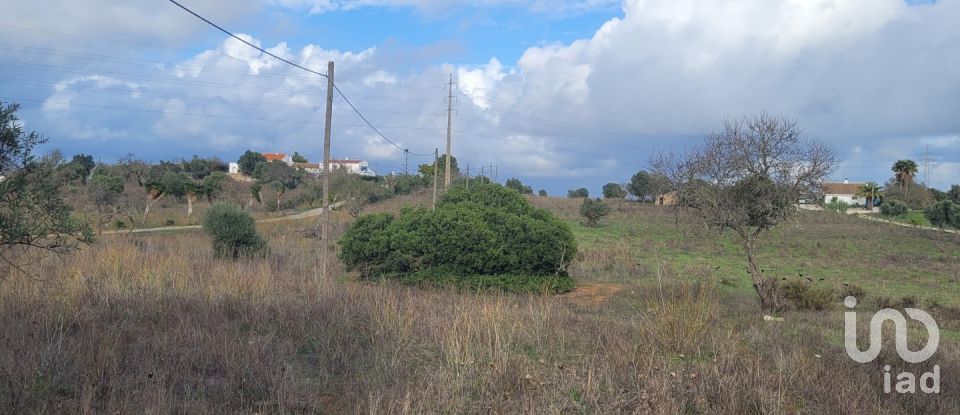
(843, 192)
(359, 167)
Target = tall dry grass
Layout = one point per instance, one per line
(153, 324)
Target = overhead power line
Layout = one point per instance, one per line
(264, 51)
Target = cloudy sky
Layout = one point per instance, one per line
(558, 93)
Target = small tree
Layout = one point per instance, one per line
(279, 176)
(837, 205)
(297, 158)
(641, 185)
(542, 193)
(870, 191)
(613, 191)
(154, 191)
(33, 216)
(516, 184)
(233, 232)
(594, 210)
(894, 208)
(78, 169)
(747, 178)
(256, 193)
(943, 214)
(212, 185)
(578, 193)
(103, 191)
(133, 168)
(356, 192)
(954, 194)
(426, 170)
(249, 161)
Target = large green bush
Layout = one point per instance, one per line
(486, 236)
(943, 214)
(894, 208)
(233, 232)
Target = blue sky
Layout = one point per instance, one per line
(561, 94)
(464, 36)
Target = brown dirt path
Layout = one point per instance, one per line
(592, 293)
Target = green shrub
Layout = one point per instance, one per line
(233, 232)
(483, 237)
(805, 296)
(119, 224)
(578, 193)
(894, 208)
(594, 210)
(502, 283)
(943, 214)
(836, 205)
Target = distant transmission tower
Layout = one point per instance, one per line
(926, 165)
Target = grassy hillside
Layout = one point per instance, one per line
(664, 322)
(829, 249)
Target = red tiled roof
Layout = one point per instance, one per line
(841, 188)
(274, 156)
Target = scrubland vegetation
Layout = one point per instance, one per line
(665, 318)
(663, 322)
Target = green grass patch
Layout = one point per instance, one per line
(518, 284)
(822, 249)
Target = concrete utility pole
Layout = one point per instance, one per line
(468, 175)
(446, 175)
(436, 156)
(406, 159)
(326, 168)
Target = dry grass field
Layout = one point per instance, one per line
(664, 322)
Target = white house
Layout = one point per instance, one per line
(360, 167)
(234, 168)
(844, 192)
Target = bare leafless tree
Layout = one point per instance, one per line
(748, 178)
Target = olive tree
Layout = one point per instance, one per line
(747, 178)
(103, 191)
(943, 214)
(33, 216)
(614, 191)
(279, 176)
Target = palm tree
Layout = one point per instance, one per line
(904, 170)
(870, 191)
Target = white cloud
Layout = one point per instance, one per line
(66, 90)
(375, 147)
(144, 21)
(476, 83)
(434, 6)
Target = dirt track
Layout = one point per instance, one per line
(302, 215)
